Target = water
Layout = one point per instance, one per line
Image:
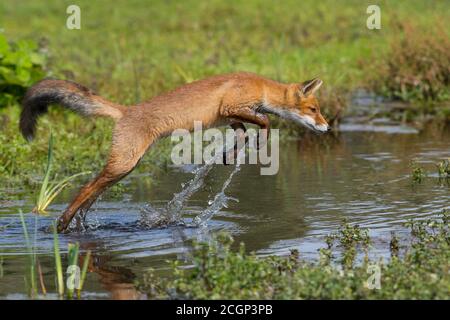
(171, 213)
(363, 175)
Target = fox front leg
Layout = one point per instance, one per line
(240, 131)
(250, 115)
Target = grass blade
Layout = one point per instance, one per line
(47, 170)
(87, 257)
(32, 290)
(58, 264)
(73, 267)
(49, 190)
(52, 193)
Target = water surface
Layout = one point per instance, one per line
(362, 175)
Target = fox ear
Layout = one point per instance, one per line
(310, 86)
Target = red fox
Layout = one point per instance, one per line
(219, 100)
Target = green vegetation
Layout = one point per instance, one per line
(418, 173)
(444, 169)
(58, 263)
(419, 272)
(31, 278)
(49, 190)
(21, 65)
(34, 271)
(132, 51)
(417, 66)
(350, 238)
(80, 145)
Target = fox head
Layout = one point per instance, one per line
(301, 106)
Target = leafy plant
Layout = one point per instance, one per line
(49, 190)
(21, 64)
(418, 173)
(349, 238)
(394, 245)
(444, 169)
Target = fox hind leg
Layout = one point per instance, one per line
(89, 193)
(126, 151)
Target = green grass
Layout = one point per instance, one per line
(51, 189)
(130, 51)
(417, 269)
(133, 50)
(80, 145)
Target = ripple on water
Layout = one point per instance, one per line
(364, 178)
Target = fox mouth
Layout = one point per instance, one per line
(314, 129)
(317, 131)
(301, 120)
(309, 123)
(324, 129)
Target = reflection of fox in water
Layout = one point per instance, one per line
(225, 99)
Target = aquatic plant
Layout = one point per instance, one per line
(34, 272)
(34, 267)
(73, 249)
(73, 256)
(58, 263)
(49, 190)
(394, 245)
(76, 277)
(444, 169)
(418, 173)
(31, 281)
(349, 237)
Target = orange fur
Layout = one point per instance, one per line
(224, 99)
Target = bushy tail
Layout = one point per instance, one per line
(67, 94)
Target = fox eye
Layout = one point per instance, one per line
(313, 109)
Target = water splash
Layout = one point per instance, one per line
(177, 203)
(220, 201)
(80, 223)
(171, 213)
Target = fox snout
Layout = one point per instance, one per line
(317, 125)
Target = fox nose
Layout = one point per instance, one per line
(328, 128)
